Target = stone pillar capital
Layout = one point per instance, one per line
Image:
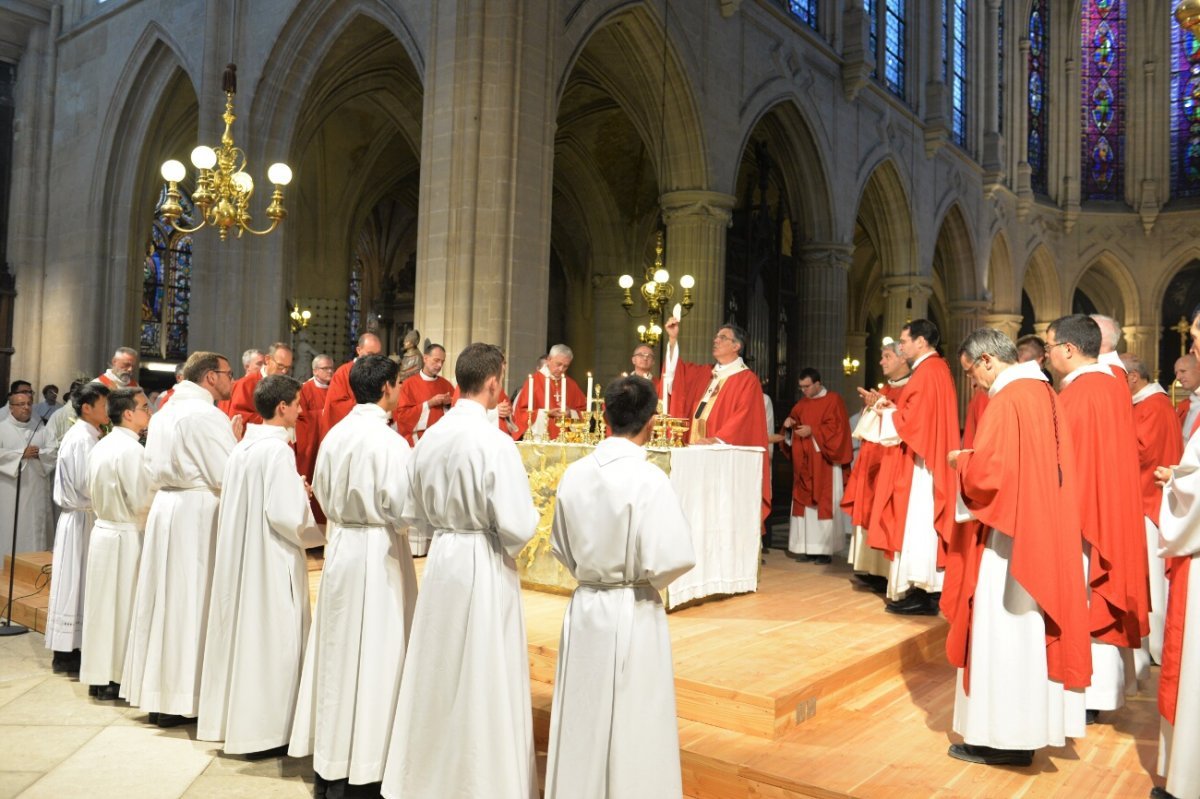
(831, 255)
(697, 205)
(913, 285)
(969, 307)
(1007, 323)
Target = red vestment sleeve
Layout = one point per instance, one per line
(975, 409)
(1160, 443)
(241, 400)
(339, 400)
(1011, 484)
(1098, 411)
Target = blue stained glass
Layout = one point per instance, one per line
(1036, 111)
(1185, 112)
(958, 75)
(870, 10)
(894, 46)
(805, 11)
(1102, 37)
(166, 286)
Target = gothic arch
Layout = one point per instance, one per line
(1178, 259)
(1109, 284)
(1001, 278)
(883, 209)
(124, 198)
(622, 51)
(955, 251)
(801, 161)
(1041, 283)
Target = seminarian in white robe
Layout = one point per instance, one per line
(258, 613)
(464, 725)
(187, 444)
(120, 490)
(64, 616)
(357, 644)
(35, 531)
(619, 530)
(1179, 531)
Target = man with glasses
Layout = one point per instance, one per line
(278, 361)
(187, 444)
(643, 363)
(120, 490)
(724, 401)
(27, 448)
(1099, 417)
(312, 402)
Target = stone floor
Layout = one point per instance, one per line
(57, 742)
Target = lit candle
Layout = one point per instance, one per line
(562, 396)
(589, 392)
(529, 392)
(666, 399)
(547, 394)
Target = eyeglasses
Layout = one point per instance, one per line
(643, 355)
(223, 372)
(724, 337)
(1056, 344)
(322, 368)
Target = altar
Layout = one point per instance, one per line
(719, 487)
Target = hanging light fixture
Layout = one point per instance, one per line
(299, 318)
(223, 186)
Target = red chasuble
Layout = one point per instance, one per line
(339, 400)
(1160, 443)
(241, 400)
(926, 419)
(575, 402)
(1178, 571)
(859, 491)
(738, 414)
(1011, 484)
(1097, 408)
(975, 409)
(312, 401)
(812, 466)
(414, 392)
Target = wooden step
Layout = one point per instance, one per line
(30, 601)
(30, 565)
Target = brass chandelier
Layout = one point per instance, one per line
(656, 291)
(223, 186)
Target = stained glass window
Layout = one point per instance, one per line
(805, 10)
(1103, 80)
(1000, 72)
(893, 44)
(958, 70)
(1185, 112)
(167, 286)
(354, 312)
(872, 12)
(1037, 107)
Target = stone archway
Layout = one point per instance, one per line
(1180, 297)
(1006, 301)
(1043, 289)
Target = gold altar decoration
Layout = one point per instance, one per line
(545, 463)
(223, 186)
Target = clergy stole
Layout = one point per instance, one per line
(700, 418)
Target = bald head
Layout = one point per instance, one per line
(368, 344)
(1110, 332)
(1187, 372)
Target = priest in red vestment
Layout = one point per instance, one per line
(1159, 444)
(871, 567)
(817, 441)
(1014, 591)
(724, 402)
(1187, 372)
(339, 399)
(424, 397)
(122, 370)
(913, 519)
(565, 397)
(975, 409)
(278, 361)
(1097, 409)
(643, 362)
(1110, 339)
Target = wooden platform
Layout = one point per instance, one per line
(31, 589)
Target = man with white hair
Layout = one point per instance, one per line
(1187, 372)
(1110, 337)
(278, 361)
(122, 369)
(1159, 444)
(312, 402)
(554, 393)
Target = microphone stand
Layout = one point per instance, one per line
(9, 628)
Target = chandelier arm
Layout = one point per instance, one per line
(182, 229)
(249, 229)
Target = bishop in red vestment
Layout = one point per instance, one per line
(1019, 622)
(553, 373)
(913, 521)
(425, 397)
(724, 402)
(339, 399)
(817, 441)
(1098, 411)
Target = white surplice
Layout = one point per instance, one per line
(120, 490)
(357, 644)
(60, 422)
(186, 448)
(64, 616)
(1179, 531)
(464, 725)
(258, 611)
(35, 531)
(620, 531)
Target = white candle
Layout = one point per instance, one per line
(589, 393)
(666, 399)
(562, 395)
(547, 393)
(529, 392)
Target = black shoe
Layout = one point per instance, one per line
(65, 662)
(1161, 793)
(1093, 716)
(336, 789)
(799, 557)
(917, 603)
(166, 720)
(94, 690)
(153, 719)
(872, 581)
(988, 756)
(278, 751)
(366, 791)
(824, 560)
(110, 692)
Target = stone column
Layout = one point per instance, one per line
(1142, 341)
(993, 142)
(905, 299)
(487, 155)
(696, 222)
(1024, 171)
(1007, 323)
(965, 317)
(824, 296)
(1072, 190)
